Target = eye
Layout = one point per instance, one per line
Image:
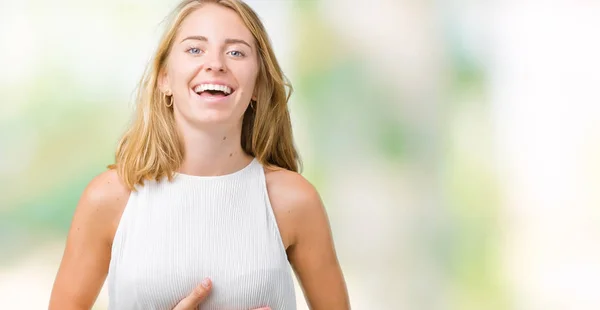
(194, 51)
(236, 54)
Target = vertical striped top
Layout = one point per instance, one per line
(174, 234)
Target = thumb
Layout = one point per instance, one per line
(195, 297)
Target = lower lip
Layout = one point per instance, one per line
(212, 99)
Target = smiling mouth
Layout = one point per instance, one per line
(213, 90)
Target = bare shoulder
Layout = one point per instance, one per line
(289, 190)
(294, 201)
(103, 200)
(106, 189)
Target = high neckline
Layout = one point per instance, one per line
(216, 177)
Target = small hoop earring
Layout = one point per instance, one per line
(252, 104)
(168, 100)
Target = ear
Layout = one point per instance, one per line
(163, 83)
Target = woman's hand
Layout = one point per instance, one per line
(198, 295)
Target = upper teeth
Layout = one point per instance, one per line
(204, 87)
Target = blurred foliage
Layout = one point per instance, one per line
(73, 135)
(338, 92)
(471, 187)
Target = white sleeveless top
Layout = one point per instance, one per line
(174, 234)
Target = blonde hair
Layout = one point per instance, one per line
(151, 148)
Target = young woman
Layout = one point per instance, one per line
(204, 199)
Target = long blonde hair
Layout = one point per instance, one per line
(151, 148)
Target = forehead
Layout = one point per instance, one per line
(216, 23)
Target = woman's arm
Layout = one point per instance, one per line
(86, 258)
(311, 250)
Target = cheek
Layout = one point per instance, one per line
(249, 79)
(181, 71)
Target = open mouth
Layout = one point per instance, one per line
(213, 90)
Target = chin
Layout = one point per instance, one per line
(215, 117)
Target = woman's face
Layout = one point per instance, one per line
(212, 68)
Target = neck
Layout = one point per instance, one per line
(213, 151)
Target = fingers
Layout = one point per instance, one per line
(195, 297)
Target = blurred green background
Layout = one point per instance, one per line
(455, 143)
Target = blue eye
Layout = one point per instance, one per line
(236, 54)
(194, 50)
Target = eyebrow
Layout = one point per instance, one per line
(227, 41)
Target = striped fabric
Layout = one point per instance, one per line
(174, 234)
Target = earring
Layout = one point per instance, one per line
(168, 99)
(252, 104)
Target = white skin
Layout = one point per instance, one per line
(211, 131)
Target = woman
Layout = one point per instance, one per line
(204, 189)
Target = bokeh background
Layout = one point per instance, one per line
(456, 144)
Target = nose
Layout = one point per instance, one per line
(214, 63)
